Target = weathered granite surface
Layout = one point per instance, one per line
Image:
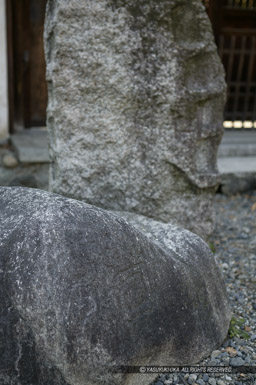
(136, 93)
(20, 363)
(92, 291)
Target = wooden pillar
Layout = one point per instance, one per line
(215, 12)
(3, 73)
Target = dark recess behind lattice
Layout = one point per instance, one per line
(234, 26)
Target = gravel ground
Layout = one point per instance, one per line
(234, 241)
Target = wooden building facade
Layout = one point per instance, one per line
(234, 26)
(26, 64)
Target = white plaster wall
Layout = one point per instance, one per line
(3, 73)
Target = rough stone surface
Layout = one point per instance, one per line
(94, 291)
(20, 364)
(136, 93)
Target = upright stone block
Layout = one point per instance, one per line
(136, 94)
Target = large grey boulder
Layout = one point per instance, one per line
(136, 94)
(92, 291)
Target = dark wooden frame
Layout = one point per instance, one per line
(236, 56)
(18, 27)
(215, 13)
(10, 64)
(235, 27)
(15, 60)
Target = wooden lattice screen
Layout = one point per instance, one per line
(241, 3)
(238, 54)
(234, 25)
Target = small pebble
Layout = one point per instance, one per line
(247, 360)
(237, 361)
(192, 378)
(213, 363)
(212, 381)
(225, 360)
(205, 377)
(220, 382)
(10, 161)
(200, 382)
(238, 341)
(215, 354)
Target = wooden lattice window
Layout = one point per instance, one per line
(240, 3)
(238, 53)
(234, 26)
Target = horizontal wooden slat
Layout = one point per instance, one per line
(235, 51)
(238, 31)
(241, 84)
(241, 6)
